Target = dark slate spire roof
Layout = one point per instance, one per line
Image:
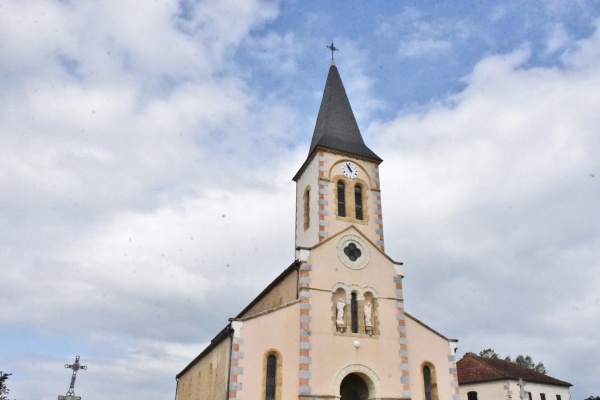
(336, 127)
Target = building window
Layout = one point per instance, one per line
(358, 202)
(472, 395)
(272, 376)
(354, 312)
(271, 383)
(542, 396)
(341, 198)
(306, 208)
(529, 395)
(558, 397)
(429, 382)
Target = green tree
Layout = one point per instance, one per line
(523, 361)
(489, 353)
(527, 362)
(593, 398)
(3, 389)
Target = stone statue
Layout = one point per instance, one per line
(341, 304)
(367, 313)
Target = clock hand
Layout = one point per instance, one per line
(349, 167)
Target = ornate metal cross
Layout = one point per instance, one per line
(332, 48)
(522, 391)
(75, 367)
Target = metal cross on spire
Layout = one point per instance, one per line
(75, 367)
(332, 48)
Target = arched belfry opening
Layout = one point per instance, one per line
(354, 387)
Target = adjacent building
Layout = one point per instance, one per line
(484, 378)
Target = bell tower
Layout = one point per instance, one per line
(338, 184)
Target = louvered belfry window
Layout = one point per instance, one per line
(341, 198)
(358, 202)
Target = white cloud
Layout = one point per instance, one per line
(418, 37)
(558, 38)
(424, 47)
(145, 368)
(116, 123)
(278, 53)
(143, 178)
(493, 206)
(499, 12)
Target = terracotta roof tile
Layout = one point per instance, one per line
(472, 369)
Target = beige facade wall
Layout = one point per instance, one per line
(334, 354)
(328, 269)
(334, 173)
(509, 389)
(207, 379)
(309, 179)
(314, 355)
(284, 292)
(321, 175)
(425, 346)
(277, 331)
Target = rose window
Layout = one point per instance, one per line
(352, 252)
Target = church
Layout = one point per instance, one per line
(332, 325)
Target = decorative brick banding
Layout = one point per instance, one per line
(235, 372)
(403, 351)
(305, 332)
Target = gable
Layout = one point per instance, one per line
(352, 229)
(350, 257)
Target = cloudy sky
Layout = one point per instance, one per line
(147, 150)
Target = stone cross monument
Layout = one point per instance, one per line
(522, 391)
(71, 393)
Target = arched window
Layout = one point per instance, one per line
(341, 198)
(306, 208)
(354, 313)
(429, 382)
(358, 202)
(271, 377)
(472, 395)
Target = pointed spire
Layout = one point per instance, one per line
(336, 127)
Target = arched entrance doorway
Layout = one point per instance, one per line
(353, 387)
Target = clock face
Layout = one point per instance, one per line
(350, 169)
